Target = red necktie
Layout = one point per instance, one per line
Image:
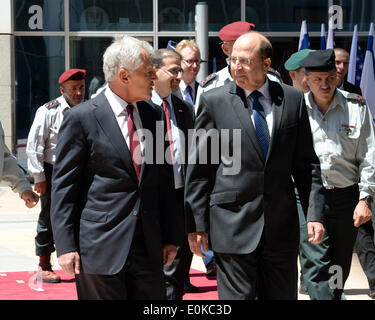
(134, 144)
(169, 129)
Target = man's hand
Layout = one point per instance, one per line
(169, 253)
(196, 239)
(315, 231)
(30, 198)
(69, 262)
(362, 213)
(40, 187)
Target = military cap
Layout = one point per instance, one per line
(232, 31)
(320, 61)
(72, 74)
(171, 45)
(293, 63)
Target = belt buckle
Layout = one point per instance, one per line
(330, 187)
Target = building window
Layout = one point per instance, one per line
(107, 15)
(180, 15)
(39, 15)
(39, 63)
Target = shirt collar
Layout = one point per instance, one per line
(118, 105)
(158, 100)
(338, 100)
(263, 90)
(64, 104)
(183, 86)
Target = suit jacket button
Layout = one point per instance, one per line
(135, 212)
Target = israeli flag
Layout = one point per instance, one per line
(356, 60)
(330, 38)
(368, 74)
(323, 37)
(304, 42)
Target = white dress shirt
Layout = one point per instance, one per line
(183, 90)
(176, 139)
(118, 106)
(266, 101)
(42, 138)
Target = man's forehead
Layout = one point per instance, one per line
(72, 83)
(323, 74)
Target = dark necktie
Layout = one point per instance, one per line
(189, 95)
(134, 144)
(260, 122)
(169, 129)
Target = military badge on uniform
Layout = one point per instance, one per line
(347, 128)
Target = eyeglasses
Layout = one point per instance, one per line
(190, 62)
(244, 62)
(174, 72)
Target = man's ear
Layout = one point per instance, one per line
(292, 74)
(225, 49)
(267, 63)
(124, 75)
(62, 90)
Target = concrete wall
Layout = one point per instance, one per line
(6, 78)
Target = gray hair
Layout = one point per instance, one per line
(124, 52)
(159, 55)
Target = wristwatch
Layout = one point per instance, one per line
(368, 200)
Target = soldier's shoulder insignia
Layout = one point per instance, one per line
(356, 97)
(52, 104)
(275, 72)
(208, 80)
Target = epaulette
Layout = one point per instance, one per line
(275, 72)
(208, 79)
(356, 97)
(52, 104)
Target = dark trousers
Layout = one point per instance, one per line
(178, 272)
(136, 280)
(365, 249)
(260, 274)
(44, 243)
(327, 265)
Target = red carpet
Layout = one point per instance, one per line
(23, 286)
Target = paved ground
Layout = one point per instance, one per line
(17, 250)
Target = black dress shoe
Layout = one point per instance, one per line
(189, 288)
(302, 288)
(372, 292)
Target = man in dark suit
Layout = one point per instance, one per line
(112, 226)
(246, 201)
(191, 64)
(178, 119)
(342, 65)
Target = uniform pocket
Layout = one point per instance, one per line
(94, 215)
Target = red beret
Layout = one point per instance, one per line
(232, 31)
(72, 74)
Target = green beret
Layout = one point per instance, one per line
(293, 63)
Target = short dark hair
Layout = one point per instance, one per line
(158, 56)
(265, 49)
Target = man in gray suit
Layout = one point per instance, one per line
(13, 175)
(112, 222)
(251, 214)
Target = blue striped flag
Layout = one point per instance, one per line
(304, 42)
(356, 60)
(368, 72)
(323, 37)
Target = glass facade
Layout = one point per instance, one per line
(39, 63)
(50, 37)
(110, 15)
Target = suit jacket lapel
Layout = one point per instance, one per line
(241, 109)
(277, 97)
(107, 121)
